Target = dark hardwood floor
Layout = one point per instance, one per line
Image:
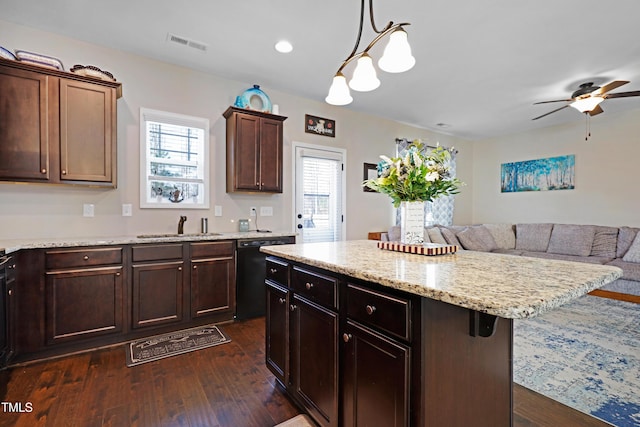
(227, 386)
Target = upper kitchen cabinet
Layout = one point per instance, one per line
(56, 127)
(254, 151)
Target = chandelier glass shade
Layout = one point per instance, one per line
(587, 104)
(397, 58)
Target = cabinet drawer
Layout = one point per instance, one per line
(316, 287)
(67, 258)
(382, 311)
(277, 271)
(211, 249)
(156, 252)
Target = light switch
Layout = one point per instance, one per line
(217, 210)
(127, 209)
(88, 210)
(266, 211)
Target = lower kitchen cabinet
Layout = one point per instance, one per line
(157, 285)
(83, 303)
(277, 324)
(375, 379)
(212, 279)
(314, 359)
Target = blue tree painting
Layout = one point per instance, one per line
(553, 173)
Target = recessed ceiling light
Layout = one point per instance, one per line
(284, 46)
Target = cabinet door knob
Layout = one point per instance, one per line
(371, 309)
(257, 184)
(308, 285)
(118, 274)
(195, 267)
(64, 172)
(10, 292)
(43, 170)
(86, 257)
(179, 268)
(282, 300)
(346, 337)
(292, 307)
(273, 270)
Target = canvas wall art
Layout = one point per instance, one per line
(553, 173)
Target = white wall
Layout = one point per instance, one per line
(51, 211)
(607, 173)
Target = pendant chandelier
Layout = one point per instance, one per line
(397, 58)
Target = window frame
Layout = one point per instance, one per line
(149, 115)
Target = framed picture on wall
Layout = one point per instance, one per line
(319, 125)
(370, 172)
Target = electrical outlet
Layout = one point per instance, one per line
(127, 209)
(217, 210)
(88, 210)
(266, 211)
(253, 211)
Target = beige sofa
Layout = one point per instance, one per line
(618, 246)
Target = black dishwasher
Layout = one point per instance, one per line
(250, 274)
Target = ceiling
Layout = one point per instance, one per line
(480, 65)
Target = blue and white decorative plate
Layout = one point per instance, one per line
(254, 99)
(4, 53)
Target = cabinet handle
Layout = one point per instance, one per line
(179, 268)
(43, 170)
(292, 307)
(371, 309)
(64, 172)
(257, 184)
(118, 274)
(195, 267)
(346, 337)
(86, 257)
(273, 270)
(10, 292)
(308, 285)
(282, 300)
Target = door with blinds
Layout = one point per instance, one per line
(319, 198)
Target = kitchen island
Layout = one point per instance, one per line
(363, 336)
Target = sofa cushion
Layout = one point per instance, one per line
(625, 238)
(394, 234)
(507, 251)
(533, 237)
(633, 253)
(574, 258)
(435, 235)
(571, 239)
(503, 235)
(450, 236)
(630, 270)
(605, 241)
(477, 238)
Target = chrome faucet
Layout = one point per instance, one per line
(181, 222)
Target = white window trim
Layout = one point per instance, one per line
(147, 114)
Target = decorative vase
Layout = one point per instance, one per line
(412, 222)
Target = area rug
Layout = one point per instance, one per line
(174, 343)
(297, 421)
(585, 355)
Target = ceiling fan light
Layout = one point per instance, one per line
(587, 104)
(397, 57)
(339, 91)
(364, 76)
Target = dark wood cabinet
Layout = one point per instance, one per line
(7, 319)
(56, 127)
(277, 332)
(375, 379)
(212, 279)
(314, 359)
(254, 151)
(157, 285)
(83, 294)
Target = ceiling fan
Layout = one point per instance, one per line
(588, 97)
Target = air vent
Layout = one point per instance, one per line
(183, 41)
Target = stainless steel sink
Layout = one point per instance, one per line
(156, 236)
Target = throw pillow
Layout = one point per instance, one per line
(503, 234)
(450, 236)
(533, 237)
(477, 238)
(625, 238)
(571, 239)
(435, 235)
(394, 233)
(604, 242)
(633, 254)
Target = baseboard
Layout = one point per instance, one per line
(616, 295)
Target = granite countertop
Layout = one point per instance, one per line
(502, 285)
(13, 245)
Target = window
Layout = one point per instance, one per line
(174, 160)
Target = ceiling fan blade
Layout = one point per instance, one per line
(623, 94)
(550, 112)
(609, 86)
(557, 100)
(596, 110)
